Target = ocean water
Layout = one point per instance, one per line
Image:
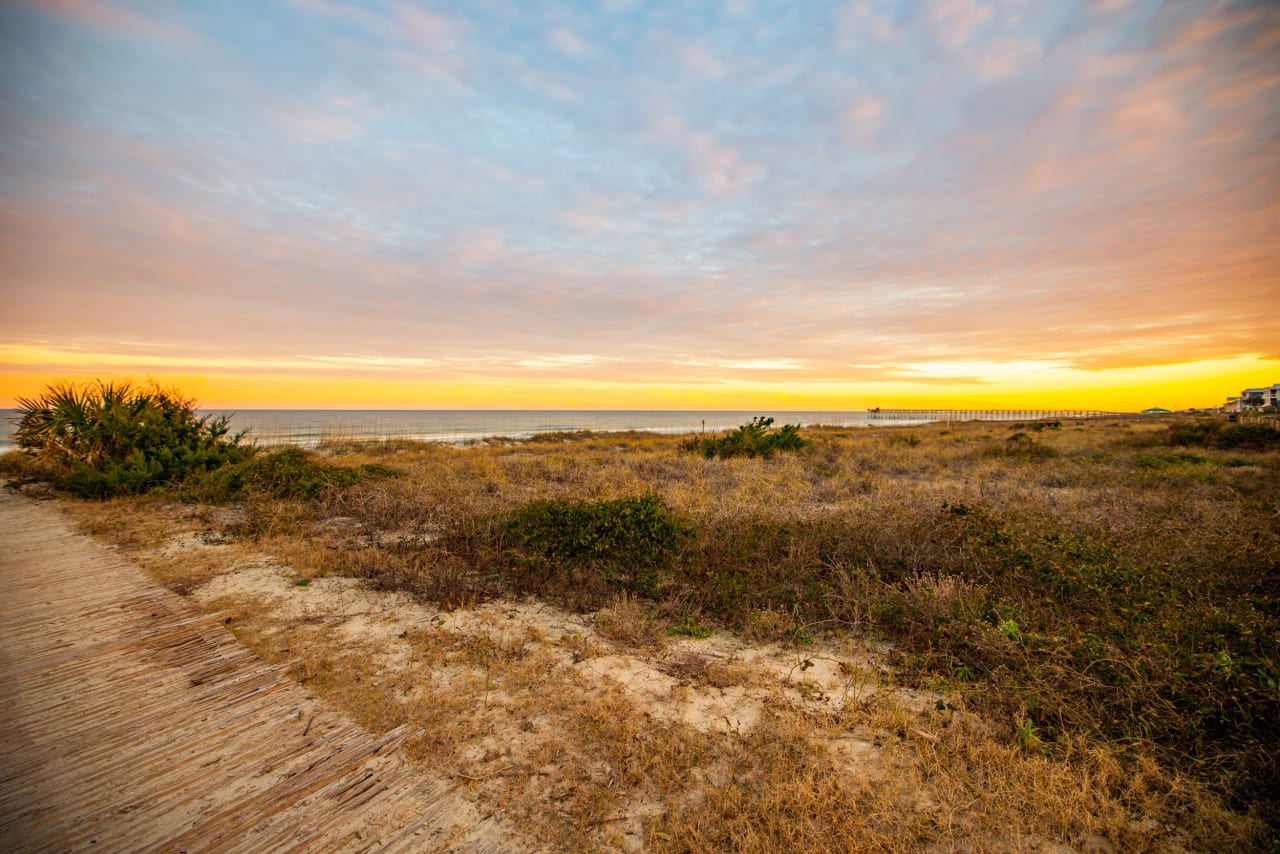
(311, 426)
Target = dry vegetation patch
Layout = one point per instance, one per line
(966, 636)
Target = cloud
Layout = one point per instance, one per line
(566, 42)
(427, 29)
(572, 360)
(700, 60)
(864, 116)
(481, 250)
(1001, 58)
(102, 15)
(424, 42)
(859, 19)
(785, 364)
(717, 167)
(953, 21)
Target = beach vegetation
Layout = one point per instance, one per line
(1215, 434)
(102, 439)
(691, 628)
(283, 473)
(757, 438)
(624, 541)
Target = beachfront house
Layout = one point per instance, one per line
(1267, 397)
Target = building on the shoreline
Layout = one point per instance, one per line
(1267, 397)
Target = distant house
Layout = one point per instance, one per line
(1267, 397)
(1156, 410)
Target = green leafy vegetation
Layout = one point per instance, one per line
(105, 439)
(690, 628)
(282, 474)
(1022, 446)
(1215, 434)
(754, 439)
(626, 540)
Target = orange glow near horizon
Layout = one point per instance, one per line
(1192, 385)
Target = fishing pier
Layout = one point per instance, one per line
(917, 415)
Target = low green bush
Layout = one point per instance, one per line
(1216, 434)
(283, 474)
(1038, 426)
(626, 541)
(754, 439)
(1154, 461)
(1254, 437)
(1022, 446)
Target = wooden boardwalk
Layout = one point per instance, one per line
(129, 721)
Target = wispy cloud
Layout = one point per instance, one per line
(122, 19)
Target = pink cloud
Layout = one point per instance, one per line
(566, 41)
(102, 15)
(424, 42)
(481, 249)
(952, 21)
(1003, 57)
(426, 29)
(864, 116)
(721, 169)
(700, 60)
(860, 18)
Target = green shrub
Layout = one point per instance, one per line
(626, 540)
(105, 439)
(1038, 426)
(755, 439)
(1022, 446)
(1203, 434)
(1256, 437)
(284, 473)
(690, 628)
(1153, 461)
(1215, 434)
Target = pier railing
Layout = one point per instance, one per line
(880, 414)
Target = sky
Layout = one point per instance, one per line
(627, 204)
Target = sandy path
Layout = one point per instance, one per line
(129, 721)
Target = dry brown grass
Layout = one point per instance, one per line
(847, 537)
(630, 624)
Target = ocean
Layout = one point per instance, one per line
(312, 426)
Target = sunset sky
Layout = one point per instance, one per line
(627, 204)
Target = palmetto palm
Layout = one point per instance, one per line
(60, 424)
